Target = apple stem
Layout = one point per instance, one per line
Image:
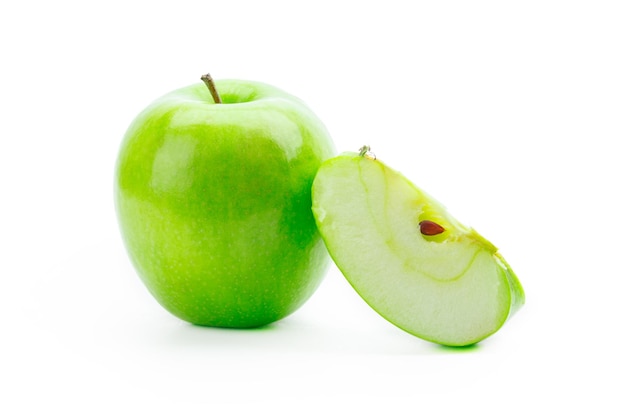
(366, 152)
(208, 80)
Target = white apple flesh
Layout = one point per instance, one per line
(407, 257)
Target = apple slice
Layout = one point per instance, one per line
(407, 257)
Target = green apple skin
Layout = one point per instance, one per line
(214, 202)
(452, 288)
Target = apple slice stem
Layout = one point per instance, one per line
(367, 153)
(208, 80)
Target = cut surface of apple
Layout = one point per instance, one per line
(407, 257)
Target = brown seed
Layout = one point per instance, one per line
(430, 228)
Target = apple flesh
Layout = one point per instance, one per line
(214, 202)
(407, 257)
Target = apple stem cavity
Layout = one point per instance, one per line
(208, 80)
(430, 228)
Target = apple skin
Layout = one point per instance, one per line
(214, 202)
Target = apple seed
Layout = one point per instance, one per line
(430, 228)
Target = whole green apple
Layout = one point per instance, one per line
(213, 197)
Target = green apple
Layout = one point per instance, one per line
(407, 257)
(213, 197)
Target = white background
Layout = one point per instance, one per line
(511, 113)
